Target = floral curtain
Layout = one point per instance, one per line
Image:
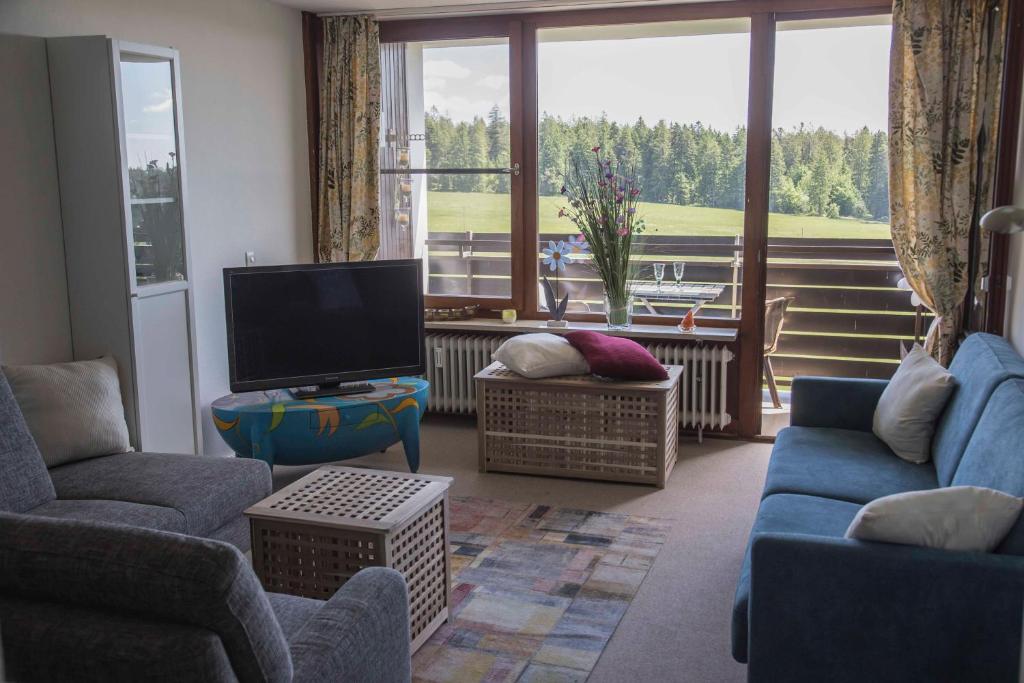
(944, 94)
(349, 172)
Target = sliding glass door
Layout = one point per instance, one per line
(834, 307)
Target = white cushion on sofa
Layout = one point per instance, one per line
(952, 518)
(909, 407)
(541, 355)
(73, 410)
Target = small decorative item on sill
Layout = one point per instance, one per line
(442, 314)
(556, 257)
(689, 323)
(508, 316)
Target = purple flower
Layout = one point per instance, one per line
(623, 231)
(609, 175)
(596, 149)
(602, 184)
(561, 213)
(620, 220)
(564, 189)
(631, 210)
(634, 192)
(619, 197)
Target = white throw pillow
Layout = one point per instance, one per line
(952, 518)
(911, 404)
(541, 355)
(73, 410)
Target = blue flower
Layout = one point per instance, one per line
(556, 255)
(577, 244)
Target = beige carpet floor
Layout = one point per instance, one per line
(677, 628)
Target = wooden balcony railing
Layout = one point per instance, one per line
(848, 320)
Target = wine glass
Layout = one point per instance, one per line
(659, 274)
(677, 269)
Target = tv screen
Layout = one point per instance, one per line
(291, 326)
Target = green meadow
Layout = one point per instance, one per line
(483, 212)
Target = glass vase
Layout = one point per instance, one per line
(619, 311)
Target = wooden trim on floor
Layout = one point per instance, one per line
(755, 221)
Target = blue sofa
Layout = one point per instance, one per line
(813, 606)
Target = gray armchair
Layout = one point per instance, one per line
(96, 601)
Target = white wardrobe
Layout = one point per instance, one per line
(121, 166)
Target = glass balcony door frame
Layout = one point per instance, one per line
(522, 30)
(462, 29)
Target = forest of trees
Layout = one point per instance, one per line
(814, 171)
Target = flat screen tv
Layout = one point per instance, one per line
(323, 324)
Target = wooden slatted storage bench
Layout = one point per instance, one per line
(580, 426)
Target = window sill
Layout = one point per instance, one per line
(723, 335)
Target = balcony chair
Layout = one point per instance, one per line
(774, 314)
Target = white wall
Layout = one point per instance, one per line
(245, 145)
(34, 324)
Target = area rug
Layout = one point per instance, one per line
(537, 591)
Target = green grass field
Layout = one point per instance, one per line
(480, 212)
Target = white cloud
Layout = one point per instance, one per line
(461, 108)
(444, 68)
(494, 81)
(434, 83)
(161, 102)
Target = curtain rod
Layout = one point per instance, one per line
(486, 8)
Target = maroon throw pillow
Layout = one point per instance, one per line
(616, 357)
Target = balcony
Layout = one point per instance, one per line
(848, 317)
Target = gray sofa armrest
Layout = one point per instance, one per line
(360, 634)
(836, 403)
(833, 609)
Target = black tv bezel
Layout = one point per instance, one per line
(328, 378)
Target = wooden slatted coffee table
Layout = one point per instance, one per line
(311, 537)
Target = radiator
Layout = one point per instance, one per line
(454, 358)
(702, 401)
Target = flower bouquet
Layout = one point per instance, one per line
(603, 195)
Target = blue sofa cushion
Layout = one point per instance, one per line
(24, 481)
(786, 513)
(844, 464)
(982, 363)
(208, 491)
(114, 512)
(994, 457)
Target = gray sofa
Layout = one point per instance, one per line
(129, 567)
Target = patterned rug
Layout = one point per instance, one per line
(537, 591)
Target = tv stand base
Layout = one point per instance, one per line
(347, 389)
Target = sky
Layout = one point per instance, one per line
(836, 78)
